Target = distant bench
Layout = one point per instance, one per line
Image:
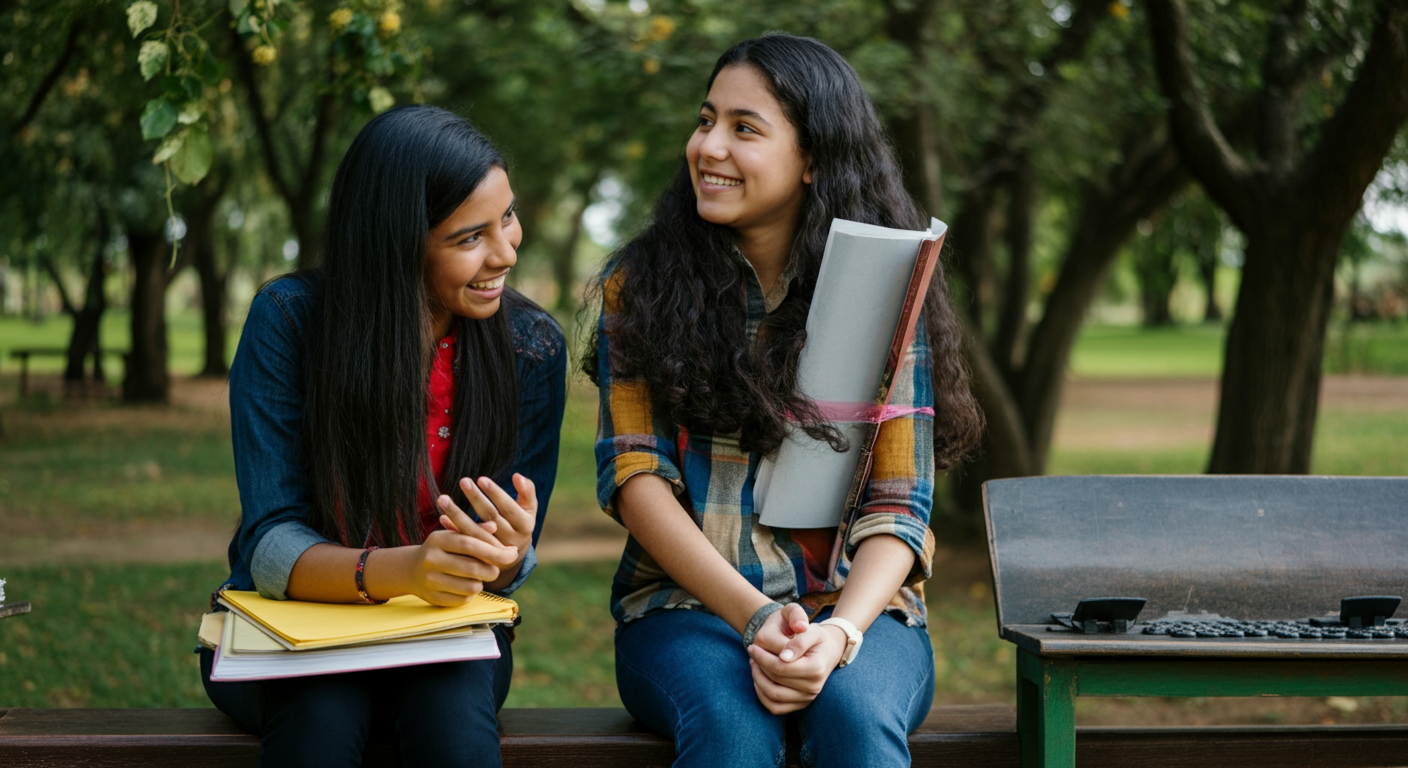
(24, 354)
(980, 736)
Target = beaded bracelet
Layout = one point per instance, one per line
(361, 566)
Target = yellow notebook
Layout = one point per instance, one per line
(303, 625)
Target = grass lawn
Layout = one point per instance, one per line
(185, 340)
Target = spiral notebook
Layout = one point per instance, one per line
(301, 626)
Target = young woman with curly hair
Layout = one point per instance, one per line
(703, 318)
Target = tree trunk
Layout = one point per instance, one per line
(87, 327)
(913, 132)
(1294, 205)
(1142, 184)
(147, 379)
(1272, 363)
(201, 248)
(564, 257)
(1157, 274)
(973, 233)
(564, 261)
(1207, 272)
(1012, 314)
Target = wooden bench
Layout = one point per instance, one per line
(24, 354)
(981, 736)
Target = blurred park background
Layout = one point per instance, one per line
(1177, 232)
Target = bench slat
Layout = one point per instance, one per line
(977, 736)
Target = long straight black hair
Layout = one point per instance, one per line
(370, 346)
(680, 320)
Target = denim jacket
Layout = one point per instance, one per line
(266, 420)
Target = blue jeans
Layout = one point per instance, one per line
(437, 714)
(685, 674)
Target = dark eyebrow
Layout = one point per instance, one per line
(737, 113)
(469, 230)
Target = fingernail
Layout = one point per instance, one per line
(786, 654)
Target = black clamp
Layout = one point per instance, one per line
(1368, 611)
(1096, 615)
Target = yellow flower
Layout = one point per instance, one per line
(651, 65)
(264, 55)
(1119, 10)
(661, 27)
(339, 19)
(389, 24)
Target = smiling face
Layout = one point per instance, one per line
(748, 170)
(468, 255)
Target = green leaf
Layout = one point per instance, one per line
(192, 159)
(181, 88)
(168, 147)
(151, 59)
(140, 16)
(380, 99)
(158, 118)
(190, 113)
(208, 68)
(238, 6)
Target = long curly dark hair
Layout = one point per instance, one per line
(680, 320)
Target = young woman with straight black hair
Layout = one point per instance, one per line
(373, 402)
(703, 317)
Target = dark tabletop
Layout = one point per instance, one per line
(1246, 547)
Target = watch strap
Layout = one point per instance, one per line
(854, 637)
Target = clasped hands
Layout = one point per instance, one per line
(458, 561)
(791, 659)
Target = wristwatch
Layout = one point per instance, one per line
(853, 639)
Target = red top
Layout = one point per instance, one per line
(438, 423)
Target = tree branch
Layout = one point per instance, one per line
(64, 299)
(1356, 139)
(244, 65)
(326, 111)
(1282, 88)
(1203, 146)
(51, 77)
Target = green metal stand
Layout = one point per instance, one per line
(1047, 687)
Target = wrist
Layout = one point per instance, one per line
(755, 622)
(505, 578)
(853, 638)
(382, 576)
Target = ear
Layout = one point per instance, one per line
(807, 172)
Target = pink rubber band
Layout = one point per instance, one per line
(868, 413)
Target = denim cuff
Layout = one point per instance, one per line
(530, 561)
(278, 550)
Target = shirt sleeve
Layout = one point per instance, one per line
(900, 495)
(542, 397)
(266, 425)
(630, 440)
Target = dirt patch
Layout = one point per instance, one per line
(1121, 414)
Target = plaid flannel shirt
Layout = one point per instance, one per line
(713, 480)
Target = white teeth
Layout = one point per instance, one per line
(488, 285)
(721, 181)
